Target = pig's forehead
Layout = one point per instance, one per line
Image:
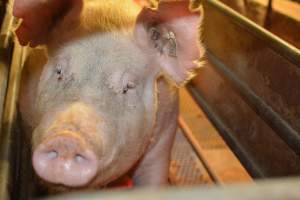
(106, 50)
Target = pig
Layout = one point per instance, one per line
(100, 99)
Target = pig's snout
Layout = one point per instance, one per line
(65, 159)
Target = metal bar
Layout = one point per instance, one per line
(273, 119)
(4, 67)
(225, 132)
(6, 48)
(280, 46)
(270, 3)
(12, 60)
(267, 190)
(297, 1)
(267, 22)
(6, 27)
(5, 57)
(9, 123)
(191, 138)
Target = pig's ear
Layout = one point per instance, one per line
(41, 18)
(171, 32)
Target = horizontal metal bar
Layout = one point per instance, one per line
(266, 190)
(277, 44)
(225, 132)
(273, 119)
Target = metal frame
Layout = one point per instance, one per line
(281, 127)
(270, 190)
(12, 57)
(225, 131)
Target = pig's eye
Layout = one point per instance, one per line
(60, 67)
(59, 72)
(129, 85)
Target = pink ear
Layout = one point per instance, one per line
(172, 34)
(40, 18)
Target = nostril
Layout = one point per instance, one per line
(52, 154)
(65, 160)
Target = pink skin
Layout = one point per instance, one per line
(65, 160)
(147, 113)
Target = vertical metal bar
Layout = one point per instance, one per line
(267, 21)
(13, 64)
(5, 56)
(6, 27)
(270, 6)
(4, 66)
(9, 123)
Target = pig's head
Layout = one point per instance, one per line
(95, 102)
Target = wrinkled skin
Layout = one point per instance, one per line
(103, 102)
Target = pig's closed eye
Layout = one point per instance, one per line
(59, 73)
(128, 86)
(60, 67)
